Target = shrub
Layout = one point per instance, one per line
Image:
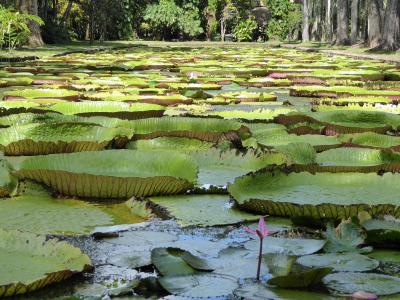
(244, 31)
(14, 28)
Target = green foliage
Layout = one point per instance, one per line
(282, 23)
(14, 29)
(210, 13)
(244, 31)
(295, 18)
(167, 17)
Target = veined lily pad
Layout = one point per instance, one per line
(42, 93)
(373, 140)
(43, 214)
(34, 139)
(29, 262)
(7, 182)
(201, 210)
(210, 130)
(340, 262)
(351, 282)
(320, 195)
(244, 96)
(109, 174)
(109, 109)
(179, 144)
(358, 159)
(218, 168)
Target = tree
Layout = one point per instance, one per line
(229, 11)
(328, 21)
(169, 19)
(294, 21)
(14, 28)
(374, 23)
(391, 27)
(210, 13)
(342, 37)
(354, 21)
(306, 21)
(31, 7)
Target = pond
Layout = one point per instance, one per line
(132, 174)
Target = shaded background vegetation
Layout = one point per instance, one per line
(370, 23)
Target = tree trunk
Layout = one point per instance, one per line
(391, 27)
(31, 7)
(306, 21)
(374, 23)
(67, 12)
(354, 21)
(328, 20)
(342, 23)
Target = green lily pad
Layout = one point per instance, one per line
(218, 168)
(199, 285)
(302, 279)
(201, 210)
(383, 255)
(169, 262)
(382, 231)
(185, 145)
(255, 291)
(42, 93)
(7, 182)
(296, 247)
(320, 195)
(351, 282)
(29, 262)
(340, 262)
(36, 139)
(108, 174)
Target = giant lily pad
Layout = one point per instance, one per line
(43, 214)
(185, 145)
(320, 195)
(340, 262)
(351, 282)
(42, 94)
(7, 182)
(108, 174)
(218, 168)
(35, 139)
(110, 109)
(210, 130)
(29, 262)
(201, 210)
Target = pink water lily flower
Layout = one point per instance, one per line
(364, 296)
(261, 232)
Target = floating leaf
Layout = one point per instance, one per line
(350, 282)
(109, 174)
(201, 210)
(199, 285)
(288, 246)
(302, 279)
(340, 262)
(29, 262)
